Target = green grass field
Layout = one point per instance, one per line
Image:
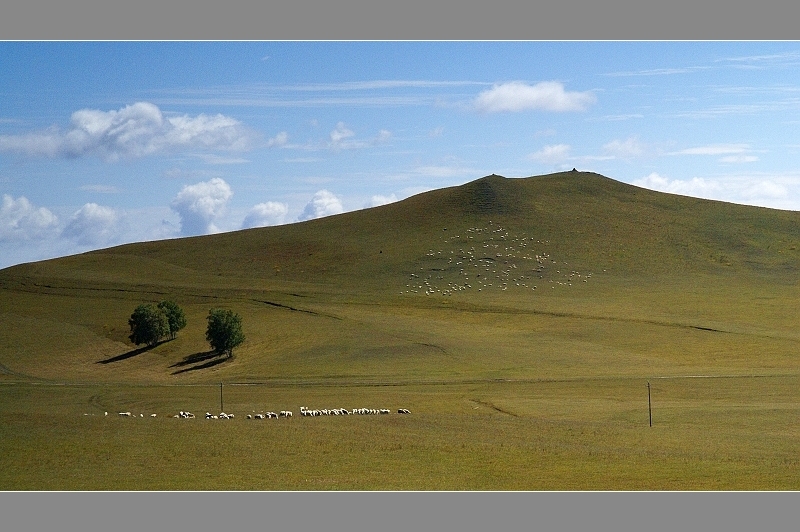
(518, 319)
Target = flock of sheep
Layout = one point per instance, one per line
(487, 259)
(305, 412)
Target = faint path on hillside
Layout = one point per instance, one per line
(5, 370)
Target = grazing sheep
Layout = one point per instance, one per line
(125, 414)
(403, 411)
(152, 415)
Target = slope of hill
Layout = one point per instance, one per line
(429, 284)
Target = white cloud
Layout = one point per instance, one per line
(661, 71)
(733, 153)
(342, 138)
(339, 134)
(278, 140)
(696, 187)
(553, 154)
(378, 200)
(266, 214)
(20, 220)
(739, 159)
(715, 149)
(91, 225)
(778, 191)
(518, 96)
(134, 131)
(761, 192)
(625, 149)
(200, 204)
(324, 203)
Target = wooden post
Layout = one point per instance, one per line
(221, 407)
(649, 408)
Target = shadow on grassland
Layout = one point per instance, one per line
(130, 354)
(208, 359)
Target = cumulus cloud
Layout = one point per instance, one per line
(91, 225)
(625, 149)
(200, 204)
(324, 203)
(133, 131)
(20, 220)
(266, 214)
(553, 154)
(378, 200)
(517, 96)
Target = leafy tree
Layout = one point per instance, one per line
(148, 325)
(224, 330)
(175, 316)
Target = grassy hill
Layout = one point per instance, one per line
(570, 245)
(539, 305)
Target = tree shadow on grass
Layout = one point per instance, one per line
(129, 354)
(209, 359)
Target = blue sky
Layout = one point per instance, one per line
(104, 143)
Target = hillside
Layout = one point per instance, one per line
(366, 285)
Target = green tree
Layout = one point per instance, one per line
(175, 316)
(148, 325)
(224, 330)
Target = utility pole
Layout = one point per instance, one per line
(649, 408)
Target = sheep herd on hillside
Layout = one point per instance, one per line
(489, 258)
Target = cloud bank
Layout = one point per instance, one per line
(134, 131)
(200, 204)
(517, 96)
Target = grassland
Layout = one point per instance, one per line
(518, 319)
